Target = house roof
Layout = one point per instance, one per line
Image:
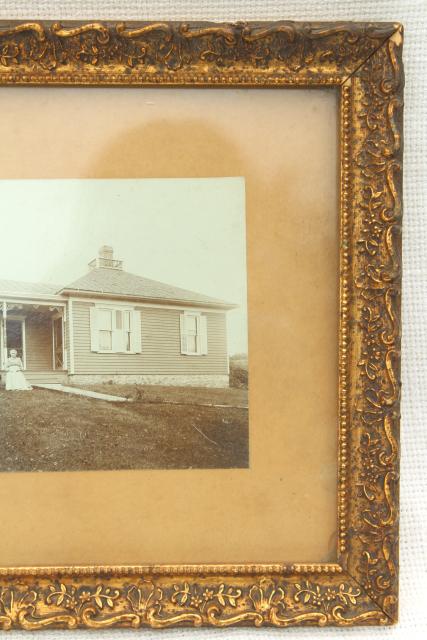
(27, 288)
(123, 284)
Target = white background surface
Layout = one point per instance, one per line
(413, 15)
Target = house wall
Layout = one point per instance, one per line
(161, 350)
(38, 337)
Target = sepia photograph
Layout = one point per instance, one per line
(124, 325)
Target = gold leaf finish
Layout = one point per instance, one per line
(377, 174)
(160, 603)
(363, 62)
(190, 53)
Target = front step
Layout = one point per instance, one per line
(46, 377)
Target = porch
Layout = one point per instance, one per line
(37, 331)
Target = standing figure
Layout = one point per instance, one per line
(15, 379)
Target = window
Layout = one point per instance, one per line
(115, 330)
(194, 339)
(191, 333)
(105, 324)
(123, 327)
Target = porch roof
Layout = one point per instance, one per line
(29, 289)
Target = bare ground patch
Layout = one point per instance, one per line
(163, 428)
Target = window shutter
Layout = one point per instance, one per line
(183, 333)
(94, 333)
(135, 336)
(202, 330)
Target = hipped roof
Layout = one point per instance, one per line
(117, 284)
(120, 283)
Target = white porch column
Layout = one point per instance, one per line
(4, 335)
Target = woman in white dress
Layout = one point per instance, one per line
(15, 379)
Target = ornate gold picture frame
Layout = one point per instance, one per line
(363, 62)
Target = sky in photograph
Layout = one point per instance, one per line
(185, 232)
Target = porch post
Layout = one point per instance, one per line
(24, 345)
(4, 335)
(52, 328)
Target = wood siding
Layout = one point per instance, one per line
(38, 337)
(161, 346)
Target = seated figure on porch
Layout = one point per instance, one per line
(15, 379)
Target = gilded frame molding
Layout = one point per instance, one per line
(363, 62)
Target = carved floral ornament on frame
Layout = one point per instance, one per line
(363, 61)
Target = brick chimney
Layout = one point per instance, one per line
(105, 259)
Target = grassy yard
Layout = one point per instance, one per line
(162, 428)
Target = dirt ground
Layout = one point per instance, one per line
(162, 428)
